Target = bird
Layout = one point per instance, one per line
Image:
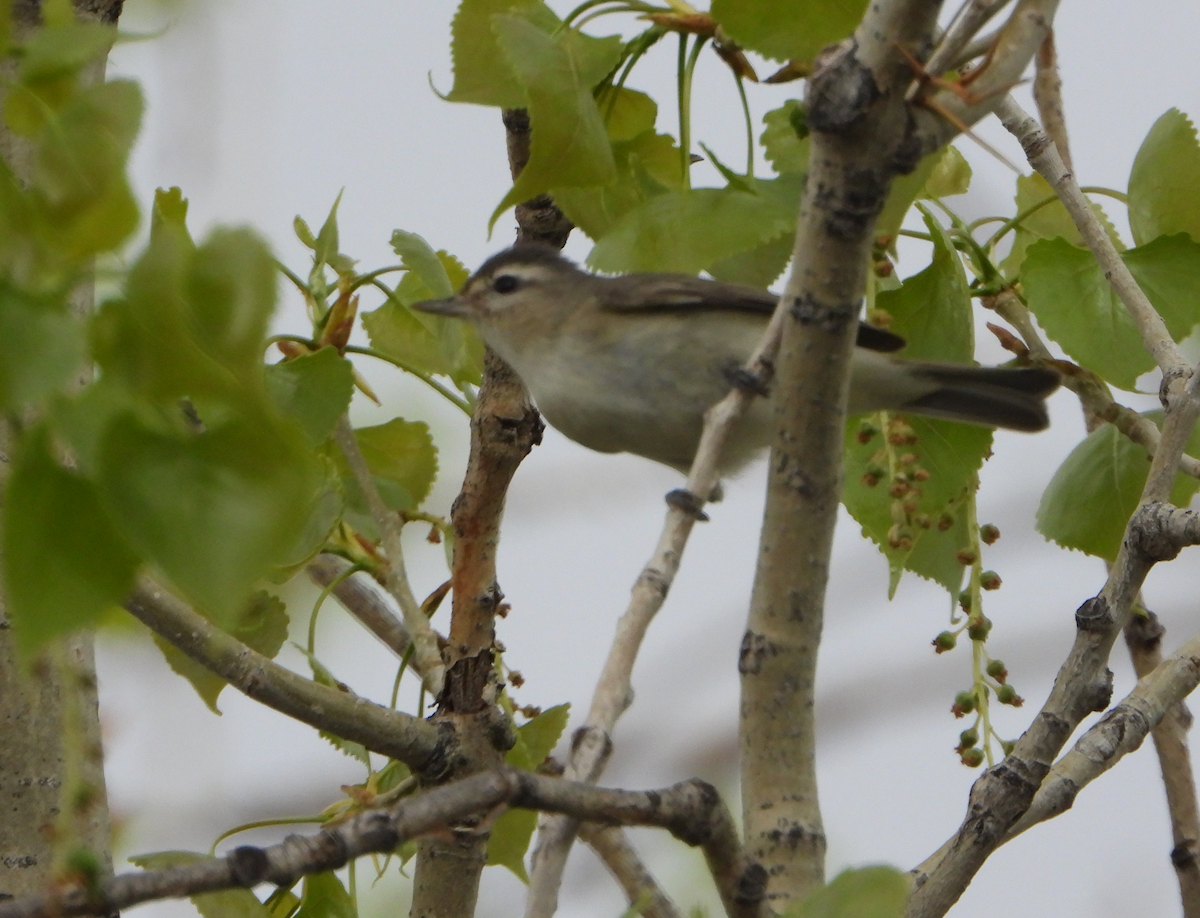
(630, 363)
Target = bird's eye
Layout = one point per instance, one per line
(505, 283)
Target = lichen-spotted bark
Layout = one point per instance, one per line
(49, 719)
(862, 136)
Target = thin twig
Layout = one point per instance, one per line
(972, 17)
(427, 656)
(1047, 95)
(1143, 636)
(1094, 396)
(641, 889)
(1016, 42)
(1045, 159)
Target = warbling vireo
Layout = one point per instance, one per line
(631, 363)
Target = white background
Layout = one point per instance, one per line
(264, 109)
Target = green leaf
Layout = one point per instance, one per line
(193, 321)
(327, 507)
(569, 144)
(783, 146)
(905, 190)
(6, 26)
(282, 903)
(403, 461)
(392, 775)
(262, 626)
(232, 287)
(303, 233)
(326, 248)
(509, 841)
(231, 903)
(934, 555)
(951, 175)
(759, 266)
(690, 231)
(627, 113)
(170, 209)
(314, 389)
(420, 259)
(513, 831)
(1089, 500)
(214, 511)
(57, 13)
(932, 309)
(1067, 291)
(481, 71)
(796, 30)
(1164, 185)
(1048, 221)
(64, 50)
(952, 454)
(87, 142)
(537, 738)
(64, 562)
(647, 166)
(435, 345)
(82, 194)
(41, 346)
(324, 896)
(83, 419)
(865, 892)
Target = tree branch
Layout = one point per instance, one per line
(1040, 151)
(1143, 636)
(1003, 793)
(1094, 396)
(861, 139)
(971, 17)
(946, 111)
(504, 428)
(641, 889)
(1084, 684)
(426, 652)
(1047, 94)
(1118, 733)
(391, 733)
(692, 811)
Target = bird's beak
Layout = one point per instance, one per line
(454, 306)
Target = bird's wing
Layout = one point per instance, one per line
(678, 293)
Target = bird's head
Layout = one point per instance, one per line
(526, 285)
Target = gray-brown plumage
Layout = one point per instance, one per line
(631, 363)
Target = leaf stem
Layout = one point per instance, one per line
(462, 403)
(741, 88)
(368, 278)
(687, 69)
(329, 588)
(685, 160)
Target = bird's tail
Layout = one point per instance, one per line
(1011, 397)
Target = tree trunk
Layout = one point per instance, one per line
(51, 765)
